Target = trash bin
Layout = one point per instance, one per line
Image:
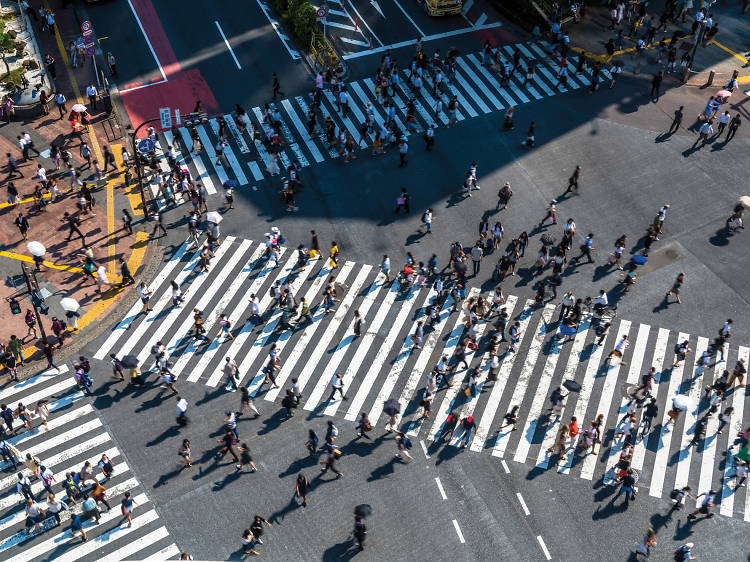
(107, 99)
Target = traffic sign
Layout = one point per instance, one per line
(165, 114)
(91, 51)
(86, 26)
(146, 146)
(322, 12)
(88, 39)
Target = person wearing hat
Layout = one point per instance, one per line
(468, 424)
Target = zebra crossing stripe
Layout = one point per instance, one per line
(135, 310)
(636, 362)
(665, 438)
(229, 154)
(493, 402)
(491, 79)
(227, 296)
(236, 134)
(255, 169)
(51, 390)
(540, 398)
(180, 336)
(639, 450)
(397, 366)
(43, 377)
(54, 422)
(181, 161)
(481, 85)
(290, 362)
(203, 175)
(605, 400)
(192, 290)
(166, 553)
(270, 326)
(239, 340)
(709, 443)
(320, 131)
(301, 130)
(137, 545)
(352, 128)
(726, 507)
(382, 353)
(281, 154)
(686, 452)
(321, 345)
(406, 83)
(338, 354)
(210, 152)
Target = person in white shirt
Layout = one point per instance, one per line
(92, 93)
(619, 349)
(601, 301)
(704, 132)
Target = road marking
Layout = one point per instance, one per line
(210, 151)
(730, 51)
(505, 466)
(235, 130)
(440, 487)
(229, 155)
(231, 52)
(709, 442)
(286, 104)
(685, 452)
(421, 33)
(424, 449)
(458, 532)
(134, 546)
(276, 27)
(341, 26)
(523, 504)
(150, 47)
(255, 169)
(738, 403)
(360, 18)
(353, 41)
(203, 174)
(544, 547)
(481, 19)
(166, 553)
(425, 38)
(482, 86)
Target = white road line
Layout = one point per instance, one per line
(493, 402)
(34, 397)
(685, 453)
(540, 69)
(726, 507)
(164, 166)
(135, 546)
(23, 386)
(354, 41)
(305, 341)
(523, 504)
(165, 553)
(407, 16)
(255, 169)
(210, 152)
(458, 532)
(491, 79)
(357, 89)
(231, 52)
(281, 154)
(145, 36)
(424, 449)
(229, 155)
(200, 167)
(639, 450)
(319, 131)
(405, 86)
(233, 317)
(584, 395)
(544, 547)
(469, 89)
(505, 466)
(440, 487)
(55, 422)
(485, 90)
(135, 310)
(184, 328)
(247, 328)
(334, 359)
(665, 438)
(383, 351)
(351, 127)
(605, 400)
(636, 362)
(165, 323)
(709, 443)
(154, 316)
(236, 134)
(302, 130)
(481, 19)
(540, 397)
(269, 326)
(276, 27)
(340, 26)
(292, 144)
(528, 369)
(453, 89)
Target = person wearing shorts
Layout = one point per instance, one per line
(145, 294)
(76, 526)
(127, 504)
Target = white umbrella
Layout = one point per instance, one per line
(214, 217)
(69, 304)
(681, 402)
(78, 108)
(745, 201)
(36, 248)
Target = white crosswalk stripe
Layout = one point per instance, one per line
(382, 363)
(73, 435)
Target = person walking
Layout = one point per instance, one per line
(586, 248)
(228, 441)
(329, 463)
(127, 505)
(301, 487)
(184, 453)
(245, 458)
(656, 85)
(576, 177)
(276, 86)
(337, 384)
(705, 505)
(619, 349)
(675, 290)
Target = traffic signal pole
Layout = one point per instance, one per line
(31, 286)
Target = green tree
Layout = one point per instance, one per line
(6, 45)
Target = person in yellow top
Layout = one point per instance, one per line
(334, 254)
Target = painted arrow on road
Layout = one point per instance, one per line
(377, 6)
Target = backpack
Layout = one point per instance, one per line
(674, 493)
(407, 442)
(679, 554)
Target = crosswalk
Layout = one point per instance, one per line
(383, 363)
(74, 434)
(477, 88)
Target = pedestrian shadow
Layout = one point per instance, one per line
(447, 452)
(536, 472)
(165, 478)
(718, 145)
(208, 396)
(385, 470)
(172, 431)
(219, 485)
(601, 271)
(683, 531)
(663, 305)
(297, 466)
(415, 238)
(455, 199)
(345, 550)
(362, 448)
(664, 137)
(609, 509)
(273, 422)
(721, 237)
(279, 515)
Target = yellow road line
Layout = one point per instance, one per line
(131, 193)
(730, 51)
(51, 265)
(97, 152)
(31, 199)
(108, 297)
(607, 58)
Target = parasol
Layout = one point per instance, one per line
(214, 217)
(230, 184)
(36, 248)
(78, 108)
(745, 201)
(572, 385)
(724, 93)
(548, 240)
(639, 259)
(568, 329)
(69, 304)
(391, 407)
(681, 402)
(129, 361)
(363, 510)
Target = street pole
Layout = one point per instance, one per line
(138, 170)
(31, 287)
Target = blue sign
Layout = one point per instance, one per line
(145, 146)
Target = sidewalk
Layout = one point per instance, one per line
(105, 234)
